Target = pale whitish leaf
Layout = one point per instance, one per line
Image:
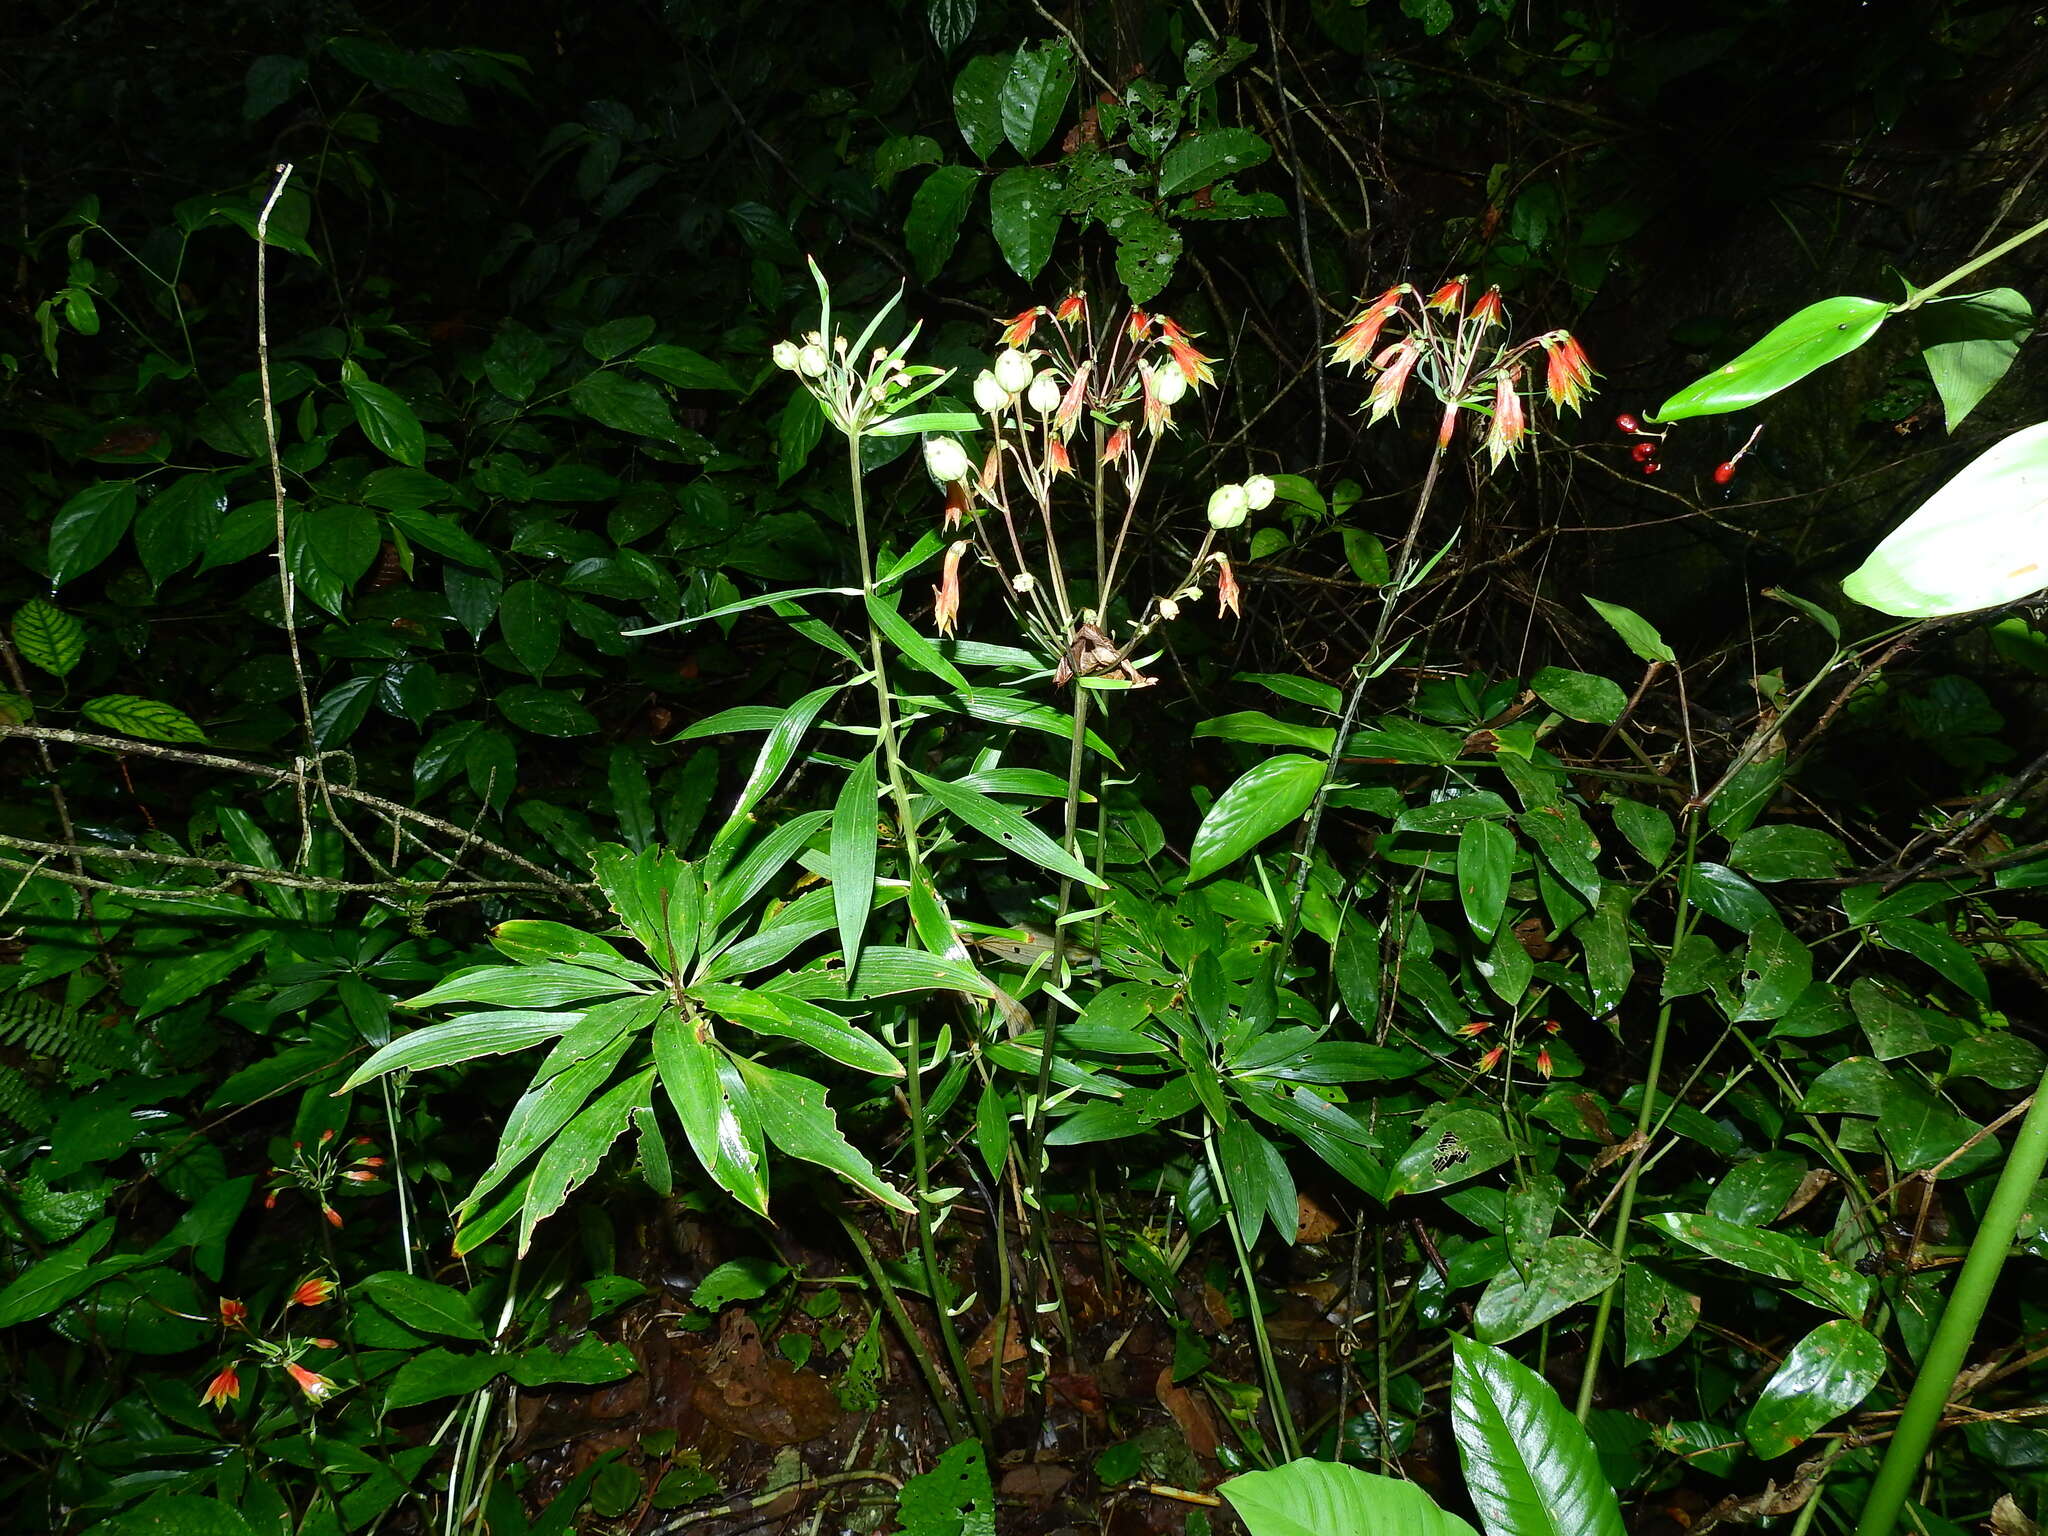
(1981, 541)
(1530, 1466)
(998, 822)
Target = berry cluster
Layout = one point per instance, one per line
(1644, 450)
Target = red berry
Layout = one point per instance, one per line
(1652, 467)
(1627, 423)
(1642, 453)
(1723, 473)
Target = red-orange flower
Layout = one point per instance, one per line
(956, 504)
(1018, 331)
(1492, 1058)
(233, 1314)
(1056, 461)
(1069, 413)
(946, 595)
(1118, 446)
(1395, 364)
(1226, 587)
(1449, 297)
(1158, 414)
(333, 1216)
(1355, 345)
(1140, 325)
(225, 1388)
(1072, 308)
(1568, 374)
(317, 1388)
(311, 1292)
(1504, 433)
(1194, 366)
(1488, 310)
(1543, 1064)
(1476, 1028)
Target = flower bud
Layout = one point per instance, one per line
(1169, 384)
(1228, 505)
(1023, 582)
(990, 395)
(946, 459)
(1169, 610)
(785, 355)
(1013, 371)
(1044, 396)
(1258, 492)
(812, 361)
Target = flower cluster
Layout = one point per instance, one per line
(1458, 348)
(1070, 396)
(225, 1387)
(323, 1169)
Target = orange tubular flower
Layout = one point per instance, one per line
(333, 1216)
(1226, 587)
(1194, 365)
(360, 1175)
(233, 1314)
(1140, 325)
(1074, 307)
(1568, 374)
(1492, 1058)
(1158, 414)
(956, 504)
(225, 1388)
(1543, 1064)
(1018, 331)
(1476, 1028)
(1395, 364)
(946, 595)
(1069, 413)
(1118, 446)
(311, 1293)
(1449, 298)
(1356, 344)
(1488, 310)
(317, 1388)
(1504, 434)
(1056, 461)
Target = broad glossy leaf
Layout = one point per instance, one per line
(47, 637)
(1657, 1316)
(545, 711)
(174, 527)
(433, 1374)
(1486, 858)
(1777, 969)
(1968, 342)
(1024, 209)
(530, 616)
(1530, 1467)
(1580, 695)
(1034, 95)
(1781, 851)
(1255, 725)
(796, 1018)
(89, 527)
(1827, 1374)
(978, 102)
(149, 719)
(1266, 798)
(1981, 541)
(387, 421)
(1209, 156)
(722, 1130)
(424, 1304)
(1636, 632)
(1450, 1150)
(1828, 1282)
(1814, 337)
(1327, 1498)
(1561, 1273)
(937, 210)
(997, 822)
(685, 369)
(467, 1038)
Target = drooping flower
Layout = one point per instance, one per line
(311, 1292)
(1226, 587)
(1504, 433)
(233, 1314)
(1492, 1058)
(360, 1175)
(1056, 461)
(1158, 415)
(1259, 492)
(1140, 325)
(225, 1388)
(1394, 364)
(1448, 298)
(1543, 1063)
(333, 1216)
(1018, 331)
(1354, 345)
(1568, 373)
(784, 354)
(1118, 447)
(1194, 365)
(1070, 403)
(956, 504)
(1475, 1029)
(1073, 308)
(989, 396)
(946, 595)
(1488, 310)
(1044, 394)
(317, 1388)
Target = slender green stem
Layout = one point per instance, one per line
(1276, 1388)
(1624, 1210)
(1940, 283)
(906, 823)
(1957, 1330)
(934, 1379)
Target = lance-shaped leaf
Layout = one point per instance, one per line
(1813, 338)
(1981, 541)
(998, 822)
(1327, 1498)
(1530, 1467)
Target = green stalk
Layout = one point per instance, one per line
(1968, 267)
(920, 1152)
(1957, 1330)
(1276, 1396)
(934, 1378)
(1625, 1208)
